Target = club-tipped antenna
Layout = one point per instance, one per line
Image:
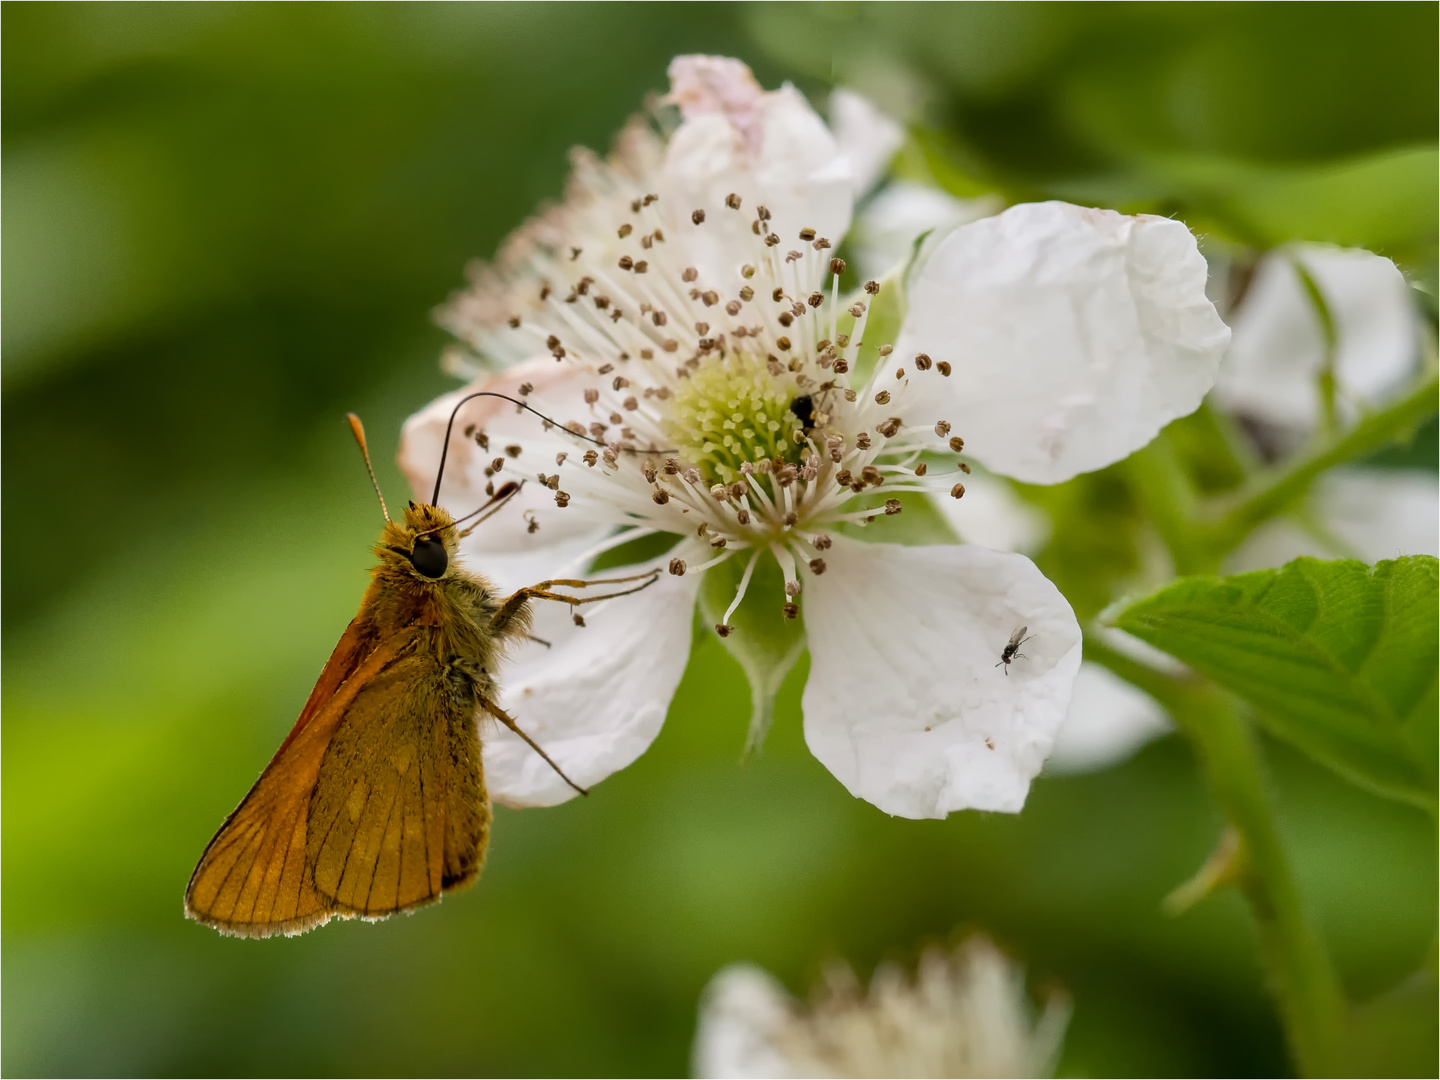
(358, 429)
(450, 426)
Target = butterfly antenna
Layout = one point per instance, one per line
(358, 429)
(449, 427)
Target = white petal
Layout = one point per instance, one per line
(993, 516)
(889, 224)
(1275, 360)
(741, 1011)
(906, 697)
(1365, 514)
(595, 700)
(1075, 335)
(787, 161)
(868, 137)
(503, 547)
(1109, 719)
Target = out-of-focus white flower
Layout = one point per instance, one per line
(1272, 372)
(1108, 721)
(900, 213)
(1352, 513)
(867, 136)
(964, 1013)
(681, 319)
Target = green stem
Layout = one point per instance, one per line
(1312, 1004)
(1271, 493)
(1164, 487)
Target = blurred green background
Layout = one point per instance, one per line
(225, 225)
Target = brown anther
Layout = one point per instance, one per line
(944, 368)
(677, 567)
(697, 216)
(822, 244)
(807, 234)
(590, 457)
(626, 262)
(514, 449)
(762, 213)
(889, 427)
(710, 298)
(525, 389)
(592, 396)
(771, 240)
(921, 469)
(660, 496)
(641, 266)
(602, 302)
(965, 468)
(742, 516)
(863, 440)
(733, 308)
(817, 566)
(577, 618)
(792, 611)
(625, 230)
(605, 369)
(783, 344)
(545, 292)
(857, 309)
(560, 457)
(792, 588)
(850, 395)
(732, 201)
(790, 519)
(747, 293)
(553, 483)
(922, 362)
(659, 318)
(957, 491)
(822, 542)
(562, 499)
(957, 443)
(872, 287)
(837, 266)
(786, 318)
(882, 398)
(498, 464)
(871, 475)
(532, 525)
(722, 629)
(649, 199)
(843, 478)
(616, 418)
(514, 322)
(892, 507)
(815, 299)
(942, 428)
(841, 367)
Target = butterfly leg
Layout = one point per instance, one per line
(509, 721)
(543, 591)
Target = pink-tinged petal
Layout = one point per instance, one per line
(596, 698)
(1075, 335)
(1273, 369)
(504, 548)
(907, 702)
(1108, 721)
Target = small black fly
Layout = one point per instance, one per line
(1011, 651)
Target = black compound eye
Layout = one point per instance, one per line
(429, 557)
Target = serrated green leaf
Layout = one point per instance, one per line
(1338, 658)
(761, 639)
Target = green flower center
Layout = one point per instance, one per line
(733, 410)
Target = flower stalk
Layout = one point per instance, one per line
(1301, 974)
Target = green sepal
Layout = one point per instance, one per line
(761, 639)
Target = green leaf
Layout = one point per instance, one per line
(1338, 658)
(761, 639)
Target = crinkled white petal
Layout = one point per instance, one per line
(503, 548)
(1272, 371)
(798, 172)
(868, 137)
(1365, 514)
(740, 1012)
(597, 697)
(1075, 335)
(905, 703)
(993, 516)
(889, 224)
(1109, 719)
